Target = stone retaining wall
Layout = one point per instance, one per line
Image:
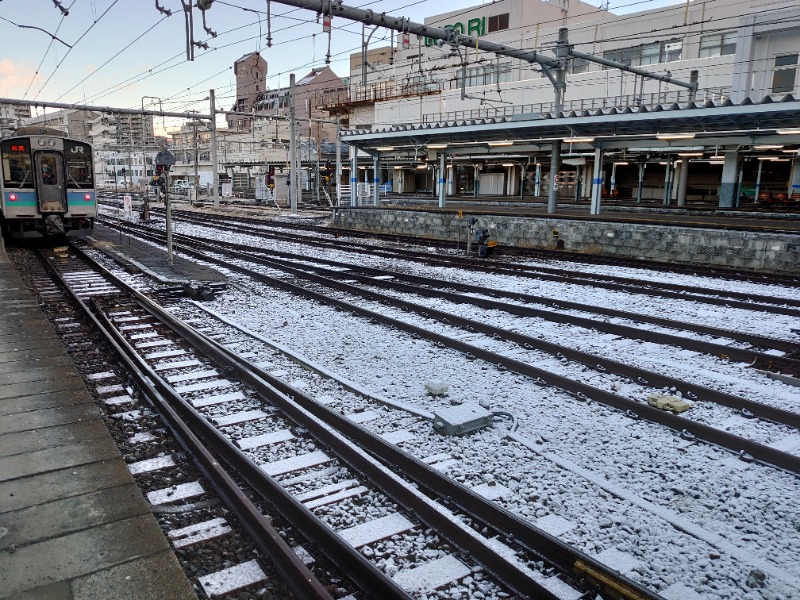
(757, 251)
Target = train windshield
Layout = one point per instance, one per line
(16, 157)
(78, 157)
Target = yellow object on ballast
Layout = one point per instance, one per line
(491, 244)
(669, 402)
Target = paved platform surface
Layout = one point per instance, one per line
(73, 523)
(151, 259)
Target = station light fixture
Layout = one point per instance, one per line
(793, 151)
(422, 166)
(578, 140)
(690, 154)
(716, 162)
(384, 148)
(436, 146)
(675, 136)
(508, 164)
(621, 163)
(792, 131)
(767, 157)
(768, 147)
(501, 143)
(776, 159)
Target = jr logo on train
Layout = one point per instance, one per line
(47, 188)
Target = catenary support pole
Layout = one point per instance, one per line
(555, 165)
(293, 191)
(214, 158)
(338, 159)
(353, 176)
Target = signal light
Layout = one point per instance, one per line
(87, 196)
(12, 197)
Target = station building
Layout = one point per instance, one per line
(741, 54)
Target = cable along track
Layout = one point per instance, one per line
(123, 319)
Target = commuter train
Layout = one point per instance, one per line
(47, 188)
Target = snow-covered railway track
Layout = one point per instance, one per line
(630, 474)
(441, 328)
(653, 287)
(316, 489)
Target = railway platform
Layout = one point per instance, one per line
(73, 523)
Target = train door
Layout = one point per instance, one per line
(50, 182)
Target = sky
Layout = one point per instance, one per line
(125, 50)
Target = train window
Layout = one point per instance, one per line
(16, 158)
(78, 157)
(48, 166)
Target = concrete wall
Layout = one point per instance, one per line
(758, 251)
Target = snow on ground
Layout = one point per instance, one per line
(673, 514)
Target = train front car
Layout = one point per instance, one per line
(47, 185)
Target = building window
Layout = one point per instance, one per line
(579, 65)
(671, 51)
(784, 76)
(718, 44)
(498, 22)
(646, 54)
(487, 75)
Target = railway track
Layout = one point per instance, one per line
(214, 401)
(304, 231)
(541, 448)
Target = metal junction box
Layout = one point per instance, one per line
(461, 419)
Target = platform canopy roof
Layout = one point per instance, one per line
(724, 124)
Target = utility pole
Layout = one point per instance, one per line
(560, 86)
(129, 179)
(214, 161)
(292, 150)
(196, 158)
(339, 157)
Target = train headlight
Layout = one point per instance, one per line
(87, 196)
(12, 197)
(42, 142)
(51, 143)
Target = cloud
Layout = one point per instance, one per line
(14, 78)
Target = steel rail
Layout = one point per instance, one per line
(335, 548)
(746, 407)
(719, 350)
(161, 397)
(747, 449)
(331, 544)
(755, 340)
(566, 558)
(703, 270)
(641, 376)
(698, 345)
(665, 290)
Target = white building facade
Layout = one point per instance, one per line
(739, 50)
